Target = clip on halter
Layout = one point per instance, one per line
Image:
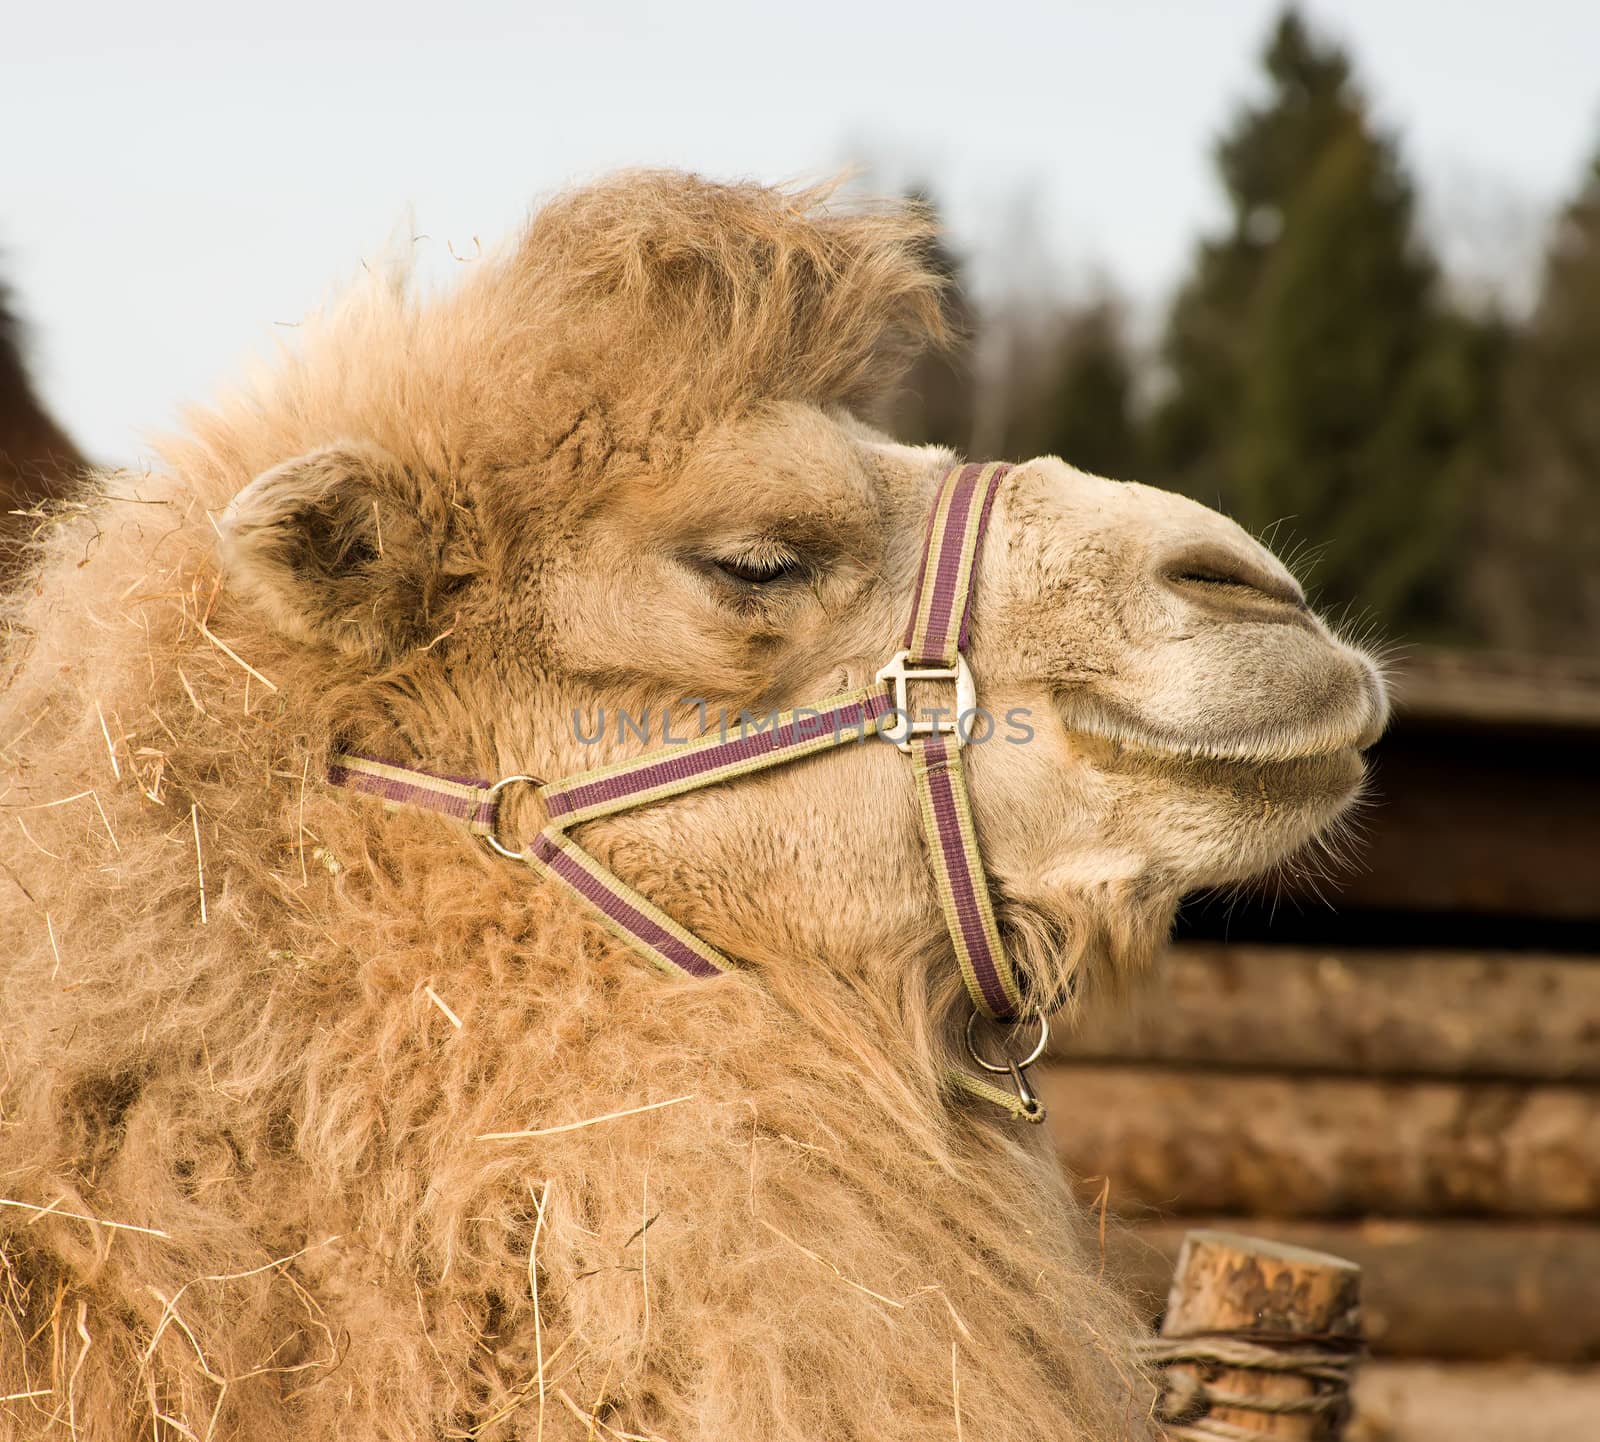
(934, 642)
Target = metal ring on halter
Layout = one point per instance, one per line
(493, 794)
(1011, 1067)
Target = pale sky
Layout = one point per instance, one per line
(176, 177)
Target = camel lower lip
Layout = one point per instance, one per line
(1254, 751)
(1128, 733)
(1303, 765)
(1320, 779)
(1266, 755)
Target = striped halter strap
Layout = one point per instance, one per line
(935, 639)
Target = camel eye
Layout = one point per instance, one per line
(759, 570)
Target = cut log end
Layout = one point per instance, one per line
(1259, 1340)
(1225, 1282)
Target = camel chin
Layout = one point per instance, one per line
(1243, 806)
(1325, 770)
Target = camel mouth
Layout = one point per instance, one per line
(1291, 745)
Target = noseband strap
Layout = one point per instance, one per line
(935, 639)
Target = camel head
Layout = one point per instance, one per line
(617, 489)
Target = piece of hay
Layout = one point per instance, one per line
(587, 1122)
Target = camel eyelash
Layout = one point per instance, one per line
(761, 564)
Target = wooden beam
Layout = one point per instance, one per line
(1475, 821)
(1508, 1014)
(1188, 1142)
(1463, 1290)
(1497, 689)
(1475, 1402)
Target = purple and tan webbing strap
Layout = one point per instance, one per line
(623, 786)
(474, 802)
(958, 875)
(626, 914)
(671, 771)
(940, 619)
(723, 756)
(643, 926)
(935, 637)
(941, 609)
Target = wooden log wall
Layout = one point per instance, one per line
(1289, 1082)
(1448, 1402)
(1446, 1290)
(1434, 1117)
(1384, 1012)
(1328, 1147)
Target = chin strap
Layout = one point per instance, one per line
(625, 785)
(934, 641)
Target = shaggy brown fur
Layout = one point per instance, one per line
(257, 1031)
(37, 460)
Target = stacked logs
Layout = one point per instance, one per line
(1433, 1117)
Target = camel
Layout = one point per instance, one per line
(37, 459)
(321, 1118)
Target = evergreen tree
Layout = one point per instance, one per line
(1360, 394)
(1317, 374)
(1536, 558)
(1261, 164)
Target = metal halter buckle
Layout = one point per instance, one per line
(904, 727)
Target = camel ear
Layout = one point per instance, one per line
(342, 546)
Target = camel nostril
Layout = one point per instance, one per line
(1229, 580)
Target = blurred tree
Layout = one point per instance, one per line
(1316, 372)
(936, 405)
(1361, 395)
(1261, 164)
(1030, 375)
(1080, 404)
(1536, 562)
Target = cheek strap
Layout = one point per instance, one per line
(935, 639)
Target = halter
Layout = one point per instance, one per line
(935, 640)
